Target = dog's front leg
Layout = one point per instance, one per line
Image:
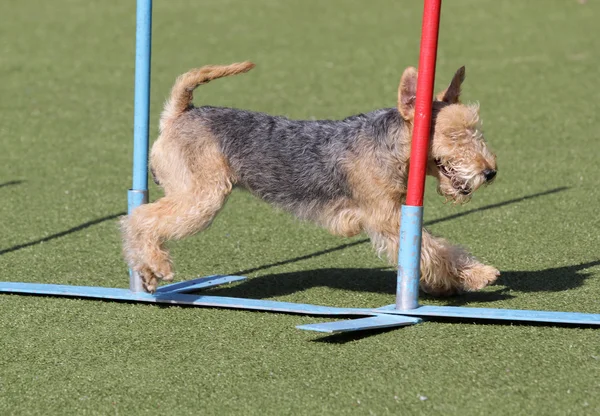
(448, 269)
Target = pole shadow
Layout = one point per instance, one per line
(497, 205)
(279, 263)
(11, 183)
(62, 233)
(427, 223)
(345, 337)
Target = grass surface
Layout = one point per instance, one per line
(65, 129)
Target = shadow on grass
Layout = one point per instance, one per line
(345, 337)
(279, 263)
(428, 223)
(497, 205)
(10, 183)
(555, 279)
(384, 281)
(62, 233)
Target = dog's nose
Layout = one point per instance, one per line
(489, 174)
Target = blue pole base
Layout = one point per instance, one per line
(135, 198)
(384, 317)
(492, 314)
(143, 42)
(199, 283)
(174, 294)
(409, 258)
(362, 324)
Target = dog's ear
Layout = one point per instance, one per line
(451, 95)
(407, 93)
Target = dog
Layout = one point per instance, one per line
(348, 176)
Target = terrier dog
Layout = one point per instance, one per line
(349, 175)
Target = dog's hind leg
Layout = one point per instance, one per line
(189, 206)
(170, 218)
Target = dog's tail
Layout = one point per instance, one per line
(181, 93)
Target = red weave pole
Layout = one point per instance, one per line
(422, 121)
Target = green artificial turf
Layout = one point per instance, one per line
(66, 110)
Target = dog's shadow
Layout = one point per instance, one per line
(384, 281)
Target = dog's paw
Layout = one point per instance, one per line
(478, 276)
(151, 276)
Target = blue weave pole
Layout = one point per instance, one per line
(409, 257)
(138, 194)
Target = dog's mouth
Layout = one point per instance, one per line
(461, 187)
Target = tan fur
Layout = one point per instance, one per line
(182, 92)
(407, 93)
(458, 141)
(342, 218)
(197, 180)
(378, 190)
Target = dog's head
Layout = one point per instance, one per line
(459, 157)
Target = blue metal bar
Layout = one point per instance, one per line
(409, 257)
(200, 283)
(362, 324)
(138, 194)
(498, 314)
(109, 293)
(143, 41)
